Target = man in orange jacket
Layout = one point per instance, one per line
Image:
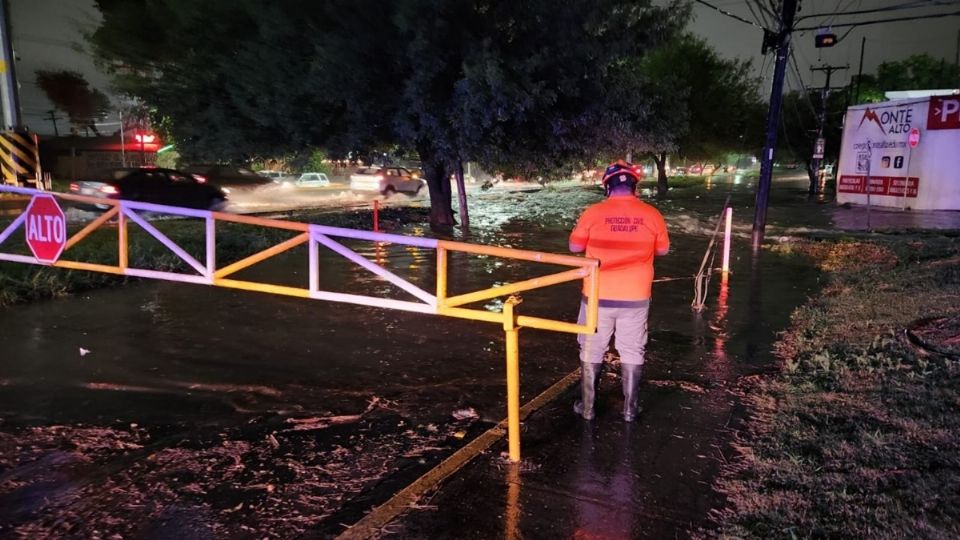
(625, 234)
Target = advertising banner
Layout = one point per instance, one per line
(903, 153)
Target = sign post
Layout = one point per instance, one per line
(46, 229)
(818, 148)
(913, 140)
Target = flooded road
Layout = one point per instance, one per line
(169, 410)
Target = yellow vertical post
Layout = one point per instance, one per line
(441, 275)
(513, 376)
(593, 303)
(123, 250)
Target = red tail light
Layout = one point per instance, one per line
(109, 190)
(200, 178)
(74, 186)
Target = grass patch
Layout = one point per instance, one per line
(20, 283)
(858, 435)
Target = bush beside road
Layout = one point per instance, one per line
(857, 436)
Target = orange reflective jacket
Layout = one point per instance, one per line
(624, 233)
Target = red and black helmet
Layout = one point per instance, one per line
(618, 173)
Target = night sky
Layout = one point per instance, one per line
(48, 34)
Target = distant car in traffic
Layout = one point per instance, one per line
(386, 180)
(151, 185)
(312, 179)
(277, 176)
(229, 177)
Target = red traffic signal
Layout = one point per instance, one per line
(825, 40)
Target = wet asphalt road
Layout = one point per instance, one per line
(200, 392)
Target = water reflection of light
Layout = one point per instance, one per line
(821, 188)
(512, 516)
(719, 320)
(608, 488)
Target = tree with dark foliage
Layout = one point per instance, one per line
(517, 86)
(707, 105)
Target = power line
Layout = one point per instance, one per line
(803, 86)
(881, 21)
(729, 14)
(773, 17)
(760, 20)
(911, 5)
(838, 12)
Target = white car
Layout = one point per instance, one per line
(386, 180)
(277, 176)
(312, 179)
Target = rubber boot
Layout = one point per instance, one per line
(589, 382)
(630, 375)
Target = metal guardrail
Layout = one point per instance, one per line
(437, 302)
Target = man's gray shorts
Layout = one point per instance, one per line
(628, 320)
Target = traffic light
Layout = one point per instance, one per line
(825, 40)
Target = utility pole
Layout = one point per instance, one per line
(9, 93)
(863, 45)
(53, 118)
(782, 45)
(820, 144)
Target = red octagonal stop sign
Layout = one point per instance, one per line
(46, 228)
(914, 138)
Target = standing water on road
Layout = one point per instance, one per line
(188, 411)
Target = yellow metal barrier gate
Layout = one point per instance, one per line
(438, 303)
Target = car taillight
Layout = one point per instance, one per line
(74, 186)
(109, 190)
(200, 178)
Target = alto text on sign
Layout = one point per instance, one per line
(46, 229)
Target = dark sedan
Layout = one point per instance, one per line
(229, 177)
(151, 185)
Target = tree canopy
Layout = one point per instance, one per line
(513, 85)
(918, 72)
(703, 105)
(70, 92)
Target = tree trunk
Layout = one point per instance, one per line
(438, 183)
(661, 161)
(462, 197)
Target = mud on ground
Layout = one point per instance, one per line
(274, 478)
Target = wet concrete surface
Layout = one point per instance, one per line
(206, 413)
(650, 479)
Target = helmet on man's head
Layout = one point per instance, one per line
(620, 173)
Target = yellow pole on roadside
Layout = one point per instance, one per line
(441, 275)
(123, 249)
(513, 376)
